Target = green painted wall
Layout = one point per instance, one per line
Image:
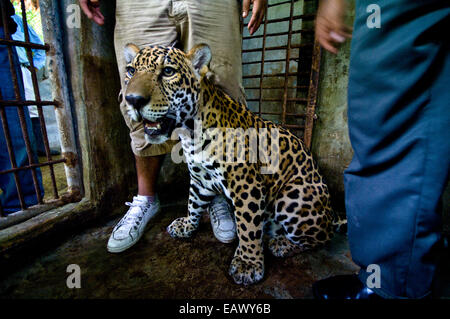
(330, 142)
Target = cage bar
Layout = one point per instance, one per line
(12, 157)
(288, 55)
(312, 94)
(302, 16)
(27, 103)
(20, 110)
(263, 55)
(285, 77)
(62, 112)
(37, 97)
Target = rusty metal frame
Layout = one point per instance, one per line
(63, 118)
(312, 73)
(310, 115)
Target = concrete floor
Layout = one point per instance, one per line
(161, 267)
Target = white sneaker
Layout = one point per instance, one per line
(222, 222)
(131, 227)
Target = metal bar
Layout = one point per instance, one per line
(302, 16)
(282, 47)
(23, 168)
(37, 97)
(278, 34)
(64, 117)
(23, 44)
(278, 4)
(12, 157)
(261, 78)
(20, 111)
(291, 99)
(273, 75)
(290, 114)
(276, 60)
(288, 55)
(26, 103)
(312, 95)
(276, 87)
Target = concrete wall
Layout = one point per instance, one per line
(330, 142)
(108, 165)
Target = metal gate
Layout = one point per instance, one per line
(281, 66)
(63, 114)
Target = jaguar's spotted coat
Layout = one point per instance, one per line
(170, 89)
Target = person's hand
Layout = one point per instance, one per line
(258, 10)
(330, 27)
(92, 10)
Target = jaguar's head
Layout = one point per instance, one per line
(162, 87)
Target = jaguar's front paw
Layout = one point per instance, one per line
(246, 273)
(280, 246)
(181, 228)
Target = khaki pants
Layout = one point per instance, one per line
(190, 22)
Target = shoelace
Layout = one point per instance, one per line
(219, 210)
(133, 215)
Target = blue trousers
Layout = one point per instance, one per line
(399, 125)
(9, 197)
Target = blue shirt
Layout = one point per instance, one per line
(38, 55)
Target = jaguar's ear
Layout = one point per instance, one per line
(200, 56)
(130, 52)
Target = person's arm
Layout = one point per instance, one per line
(92, 10)
(258, 11)
(39, 56)
(330, 27)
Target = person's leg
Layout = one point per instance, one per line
(142, 22)
(399, 127)
(218, 24)
(147, 169)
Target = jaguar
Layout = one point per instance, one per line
(285, 208)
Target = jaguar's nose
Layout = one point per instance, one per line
(137, 101)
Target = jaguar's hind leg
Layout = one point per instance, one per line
(280, 246)
(305, 218)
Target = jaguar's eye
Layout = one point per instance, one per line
(130, 71)
(168, 71)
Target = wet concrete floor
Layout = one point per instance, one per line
(161, 267)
